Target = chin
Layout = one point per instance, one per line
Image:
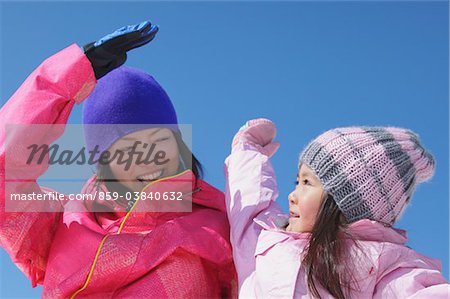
(290, 228)
(297, 229)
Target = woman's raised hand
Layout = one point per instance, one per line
(110, 51)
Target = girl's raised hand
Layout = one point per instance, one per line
(110, 51)
(260, 133)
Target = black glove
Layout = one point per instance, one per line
(111, 50)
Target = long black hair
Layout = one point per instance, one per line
(325, 260)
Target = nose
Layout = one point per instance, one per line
(292, 199)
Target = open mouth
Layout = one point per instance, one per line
(150, 177)
(294, 215)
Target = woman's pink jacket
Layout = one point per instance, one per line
(111, 254)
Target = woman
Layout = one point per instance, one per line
(116, 248)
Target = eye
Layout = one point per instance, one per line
(161, 139)
(125, 149)
(295, 182)
(306, 182)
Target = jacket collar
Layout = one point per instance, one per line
(194, 192)
(370, 230)
(363, 230)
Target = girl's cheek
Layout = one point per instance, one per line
(306, 213)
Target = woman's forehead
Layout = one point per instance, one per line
(144, 132)
(137, 136)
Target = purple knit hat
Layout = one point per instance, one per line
(371, 172)
(125, 100)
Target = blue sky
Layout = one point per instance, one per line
(307, 66)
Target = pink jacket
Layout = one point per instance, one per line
(105, 255)
(267, 258)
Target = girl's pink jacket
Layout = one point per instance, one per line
(268, 260)
(106, 255)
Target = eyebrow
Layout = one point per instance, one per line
(307, 175)
(151, 134)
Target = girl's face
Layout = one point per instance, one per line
(138, 176)
(305, 201)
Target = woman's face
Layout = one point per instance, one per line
(305, 201)
(157, 145)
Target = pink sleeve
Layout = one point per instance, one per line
(47, 96)
(412, 283)
(413, 276)
(250, 189)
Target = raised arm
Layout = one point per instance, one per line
(47, 96)
(250, 190)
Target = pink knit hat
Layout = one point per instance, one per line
(371, 172)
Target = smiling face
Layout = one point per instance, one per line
(305, 201)
(138, 176)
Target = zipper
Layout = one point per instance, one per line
(140, 194)
(121, 227)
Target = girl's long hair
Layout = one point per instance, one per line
(105, 175)
(325, 259)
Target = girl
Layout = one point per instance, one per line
(107, 249)
(338, 240)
